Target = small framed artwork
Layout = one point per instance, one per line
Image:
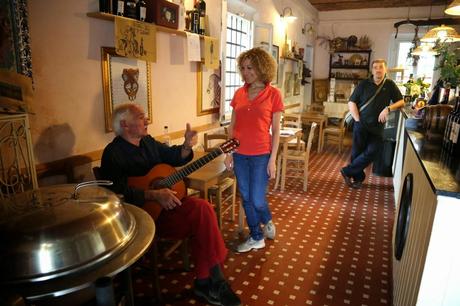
(124, 80)
(163, 13)
(208, 90)
(320, 90)
(296, 85)
(288, 84)
(276, 56)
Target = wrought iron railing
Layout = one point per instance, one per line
(17, 168)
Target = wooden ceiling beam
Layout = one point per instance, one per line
(333, 5)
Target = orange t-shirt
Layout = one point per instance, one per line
(253, 119)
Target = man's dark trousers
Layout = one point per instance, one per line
(365, 147)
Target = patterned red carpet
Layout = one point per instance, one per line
(333, 247)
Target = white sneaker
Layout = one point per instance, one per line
(270, 230)
(250, 244)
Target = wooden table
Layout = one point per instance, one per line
(321, 120)
(286, 135)
(208, 175)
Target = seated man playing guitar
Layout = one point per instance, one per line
(134, 153)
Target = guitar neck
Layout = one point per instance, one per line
(192, 167)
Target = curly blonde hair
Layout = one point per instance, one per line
(263, 63)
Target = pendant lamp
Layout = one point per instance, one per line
(453, 8)
(424, 49)
(443, 33)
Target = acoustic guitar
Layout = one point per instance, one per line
(166, 176)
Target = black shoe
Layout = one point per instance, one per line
(346, 178)
(357, 184)
(222, 292)
(203, 291)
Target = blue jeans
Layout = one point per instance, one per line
(252, 176)
(365, 149)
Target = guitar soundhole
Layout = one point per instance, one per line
(156, 184)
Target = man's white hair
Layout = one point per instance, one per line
(122, 112)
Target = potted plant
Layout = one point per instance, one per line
(448, 63)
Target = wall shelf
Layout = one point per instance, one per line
(291, 59)
(352, 65)
(111, 17)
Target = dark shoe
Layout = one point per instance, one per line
(357, 185)
(204, 291)
(222, 292)
(346, 178)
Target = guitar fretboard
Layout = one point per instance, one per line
(185, 171)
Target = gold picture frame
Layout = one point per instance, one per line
(320, 90)
(208, 90)
(124, 80)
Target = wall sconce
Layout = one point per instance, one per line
(308, 28)
(288, 15)
(453, 8)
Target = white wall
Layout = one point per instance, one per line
(377, 24)
(268, 12)
(66, 59)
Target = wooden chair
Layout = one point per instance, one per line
(294, 121)
(299, 170)
(223, 196)
(335, 131)
(217, 139)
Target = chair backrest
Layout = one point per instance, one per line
(337, 122)
(292, 121)
(315, 108)
(208, 138)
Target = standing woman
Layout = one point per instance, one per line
(257, 106)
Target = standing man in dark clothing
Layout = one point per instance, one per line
(134, 153)
(369, 123)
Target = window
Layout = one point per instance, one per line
(425, 64)
(238, 40)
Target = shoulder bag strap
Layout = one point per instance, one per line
(373, 97)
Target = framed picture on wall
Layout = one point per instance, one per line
(288, 84)
(208, 90)
(320, 90)
(296, 85)
(124, 80)
(276, 56)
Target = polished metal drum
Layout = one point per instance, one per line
(61, 230)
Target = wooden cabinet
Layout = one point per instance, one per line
(350, 65)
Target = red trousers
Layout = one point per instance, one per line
(195, 219)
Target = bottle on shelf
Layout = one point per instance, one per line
(450, 139)
(445, 93)
(141, 10)
(118, 7)
(202, 12)
(166, 137)
(454, 145)
(104, 6)
(195, 21)
(130, 9)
